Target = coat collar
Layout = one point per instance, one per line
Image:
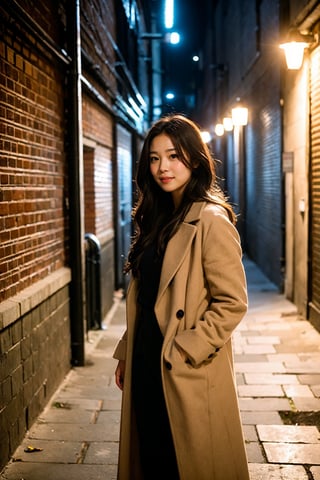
(194, 212)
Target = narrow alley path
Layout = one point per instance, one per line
(277, 362)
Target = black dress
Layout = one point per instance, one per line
(157, 453)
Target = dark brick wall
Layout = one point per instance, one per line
(263, 214)
(248, 62)
(34, 355)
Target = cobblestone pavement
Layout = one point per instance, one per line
(277, 363)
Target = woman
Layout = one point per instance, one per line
(180, 417)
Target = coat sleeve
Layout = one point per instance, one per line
(226, 284)
(121, 348)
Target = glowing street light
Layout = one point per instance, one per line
(239, 114)
(219, 130)
(294, 48)
(169, 14)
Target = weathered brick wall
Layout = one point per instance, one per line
(34, 279)
(34, 355)
(33, 232)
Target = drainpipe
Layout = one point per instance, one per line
(75, 173)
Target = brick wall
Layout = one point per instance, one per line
(32, 166)
(264, 177)
(34, 279)
(98, 189)
(34, 355)
(247, 35)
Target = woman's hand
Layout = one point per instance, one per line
(119, 373)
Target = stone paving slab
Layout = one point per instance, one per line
(288, 433)
(292, 453)
(261, 391)
(59, 471)
(106, 429)
(304, 404)
(264, 404)
(258, 349)
(102, 453)
(315, 472)
(67, 415)
(57, 451)
(298, 391)
(265, 418)
(316, 390)
(263, 339)
(270, 378)
(267, 367)
(277, 472)
(255, 452)
(310, 379)
(250, 433)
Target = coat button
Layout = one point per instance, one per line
(180, 314)
(168, 366)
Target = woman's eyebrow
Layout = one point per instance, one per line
(167, 150)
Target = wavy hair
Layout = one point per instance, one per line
(154, 215)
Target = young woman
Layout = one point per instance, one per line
(180, 416)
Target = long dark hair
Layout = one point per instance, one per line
(154, 215)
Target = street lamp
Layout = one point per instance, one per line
(219, 129)
(239, 115)
(294, 47)
(227, 124)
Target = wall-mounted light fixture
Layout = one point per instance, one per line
(294, 47)
(169, 37)
(219, 129)
(206, 136)
(227, 124)
(239, 114)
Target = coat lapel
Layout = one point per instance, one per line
(178, 246)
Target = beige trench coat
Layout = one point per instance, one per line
(201, 299)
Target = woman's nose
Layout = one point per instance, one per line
(163, 167)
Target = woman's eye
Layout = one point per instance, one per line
(153, 159)
(174, 156)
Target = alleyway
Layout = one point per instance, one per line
(277, 360)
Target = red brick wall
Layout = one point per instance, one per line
(98, 189)
(34, 288)
(97, 126)
(32, 165)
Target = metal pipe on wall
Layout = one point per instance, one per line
(76, 189)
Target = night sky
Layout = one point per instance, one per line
(180, 70)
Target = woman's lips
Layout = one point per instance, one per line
(166, 179)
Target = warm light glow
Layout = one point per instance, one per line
(206, 137)
(294, 54)
(219, 129)
(228, 124)
(239, 116)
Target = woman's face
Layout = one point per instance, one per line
(167, 169)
